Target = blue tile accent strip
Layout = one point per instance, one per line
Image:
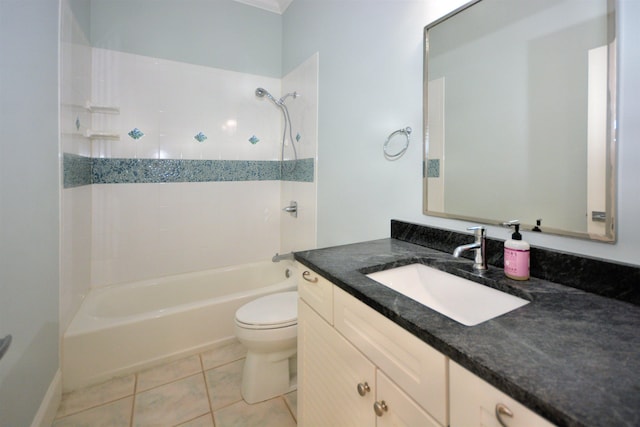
(122, 171)
(433, 168)
(302, 172)
(76, 170)
(84, 171)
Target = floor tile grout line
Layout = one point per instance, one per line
(131, 413)
(135, 399)
(90, 408)
(230, 404)
(206, 389)
(97, 405)
(288, 406)
(201, 362)
(174, 380)
(223, 364)
(193, 419)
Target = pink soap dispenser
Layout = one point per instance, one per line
(516, 254)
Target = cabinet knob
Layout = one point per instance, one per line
(501, 410)
(380, 408)
(305, 276)
(363, 388)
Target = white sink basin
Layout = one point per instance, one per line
(460, 299)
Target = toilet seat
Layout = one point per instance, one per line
(269, 312)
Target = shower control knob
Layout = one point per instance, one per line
(380, 408)
(363, 388)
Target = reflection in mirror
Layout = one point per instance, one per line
(520, 115)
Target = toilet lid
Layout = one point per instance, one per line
(275, 310)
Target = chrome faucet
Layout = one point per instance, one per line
(479, 245)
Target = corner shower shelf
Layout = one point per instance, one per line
(97, 134)
(103, 109)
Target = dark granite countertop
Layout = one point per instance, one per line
(571, 356)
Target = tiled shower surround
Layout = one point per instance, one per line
(188, 176)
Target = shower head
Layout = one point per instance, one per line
(263, 92)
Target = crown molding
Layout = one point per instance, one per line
(275, 6)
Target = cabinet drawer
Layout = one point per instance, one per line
(473, 403)
(417, 368)
(316, 291)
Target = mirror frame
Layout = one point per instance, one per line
(611, 142)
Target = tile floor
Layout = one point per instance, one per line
(199, 391)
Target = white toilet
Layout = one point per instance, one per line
(268, 327)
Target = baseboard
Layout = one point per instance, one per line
(50, 403)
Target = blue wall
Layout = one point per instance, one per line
(370, 81)
(371, 84)
(222, 33)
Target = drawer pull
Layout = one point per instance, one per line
(502, 410)
(363, 388)
(380, 408)
(305, 276)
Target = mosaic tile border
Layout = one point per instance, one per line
(433, 168)
(303, 170)
(79, 170)
(76, 170)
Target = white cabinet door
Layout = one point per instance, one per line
(474, 401)
(417, 368)
(400, 410)
(329, 371)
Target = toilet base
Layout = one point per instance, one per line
(267, 375)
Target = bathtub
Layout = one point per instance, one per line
(124, 328)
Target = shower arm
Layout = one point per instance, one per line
(293, 94)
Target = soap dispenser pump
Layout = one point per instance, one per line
(516, 254)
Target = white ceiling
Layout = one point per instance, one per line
(276, 6)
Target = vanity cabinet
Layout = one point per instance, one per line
(356, 367)
(475, 402)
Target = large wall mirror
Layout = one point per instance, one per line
(519, 104)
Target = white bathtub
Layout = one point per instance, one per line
(124, 328)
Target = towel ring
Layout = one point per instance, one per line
(393, 156)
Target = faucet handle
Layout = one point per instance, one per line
(479, 231)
